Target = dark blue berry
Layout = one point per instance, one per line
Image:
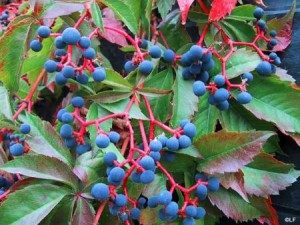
(186, 74)
(155, 156)
(135, 213)
(169, 156)
(60, 113)
(147, 177)
(67, 117)
(68, 71)
(99, 74)
(50, 66)
(89, 53)
(120, 200)
(244, 97)
(196, 52)
(184, 141)
(114, 137)
(123, 216)
(143, 43)
(172, 144)
(129, 66)
(147, 163)
(36, 45)
(277, 62)
(60, 52)
(59, 43)
(142, 202)
(273, 42)
(136, 177)
(82, 78)
(70, 142)
(102, 141)
(44, 31)
(109, 158)
(201, 191)
(262, 24)
(248, 76)
(189, 130)
(200, 213)
(16, 149)
(153, 201)
(208, 66)
(199, 88)
(155, 145)
(213, 184)
(258, 13)
(273, 55)
(195, 68)
(188, 221)
(81, 149)
(25, 128)
(219, 80)
(84, 42)
(223, 105)
(71, 36)
(221, 95)
(169, 56)
(66, 131)
(100, 191)
(273, 33)
(117, 174)
(264, 68)
(155, 51)
(184, 122)
(186, 59)
(172, 209)
(190, 211)
(165, 197)
(146, 67)
(163, 140)
(77, 102)
(60, 79)
(206, 57)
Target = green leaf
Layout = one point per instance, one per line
(42, 167)
(206, 118)
(181, 163)
(267, 176)
(121, 9)
(44, 140)
(110, 96)
(275, 106)
(235, 207)
(136, 8)
(13, 50)
(243, 12)
(164, 7)
(146, 15)
(154, 92)
(119, 107)
(31, 204)
(184, 100)
(6, 109)
(84, 213)
(229, 151)
(155, 187)
(96, 15)
(114, 79)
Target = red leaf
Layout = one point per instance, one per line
(284, 37)
(110, 35)
(184, 6)
(220, 9)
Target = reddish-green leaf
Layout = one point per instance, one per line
(229, 151)
(84, 213)
(220, 9)
(184, 6)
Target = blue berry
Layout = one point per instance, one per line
(153, 201)
(248, 76)
(147, 177)
(273, 55)
(184, 122)
(189, 130)
(196, 52)
(68, 71)
(188, 221)
(123, 216)
(50, 66)
(84, 42)
(89, 53)
(206, 57)
(81, 149)
(60, 113)
(172, 209)
(201, 191)
(117, 174)
(169, 56)
(190, 211)
(100, 191)
(136, 177)
(273, 33)
(273, 42)
(258, 13)
(195, 68)
(200, 213)
(155, 145)
(219, 80)
(77, 102)
(221, 95)
(262, 24)
(213, 184)
(129, 66)
(120, 200)
(199, 88)
(172, 144)
(200, 176)
(135, 213)
(114, 210)
(155, 156)
(71, 36)
(209, 65)
(277, 62)
(186, 74)
(36, 45)
(143, 43)
(244, 97)
(163, 140)
(102, 141)
(264, 68)
(184, 141)
(44, 31)
(147, 163)
(60, 79)
(70, 142)
(82, 79)
(155, 51)
(142, 202)
(203, 76)
(165, 197)
(223, 105)
(25, 128)
(114, 137)
(99, 74)
(66, 131)
(146, 67)
(186, 59)
(16, 149)
(169, 156)
(60, 52)
(109, 158)
(67, 118)
(59, 43)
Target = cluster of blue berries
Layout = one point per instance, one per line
(63, 64)
(4, 18)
